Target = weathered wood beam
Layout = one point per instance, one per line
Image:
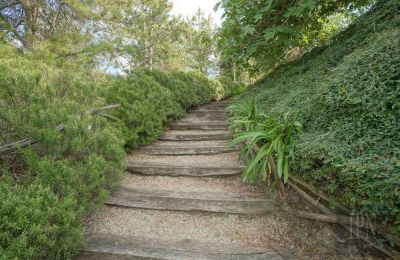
(8, 148)
(319, 194)
(224, 202)
(109, 107)
(359, 221)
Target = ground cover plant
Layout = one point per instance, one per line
(346, 95)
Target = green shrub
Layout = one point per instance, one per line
(202, 87)
(347, 97)
(184, 95)
(46, 189)
(146, 107)
(37, 223)
(231, 88)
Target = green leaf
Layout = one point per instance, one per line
(252, 49)
(269, 34)
(216, 6)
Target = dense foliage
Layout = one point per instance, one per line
(346, 95)
(46, 189)
(256, 35)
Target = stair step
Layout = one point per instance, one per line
(204, 118)
(207, 111)
(195, 125)
(113, 247)
(195, 136)
(156, 168)
(181, 150)
(210, 109)
(224, 202)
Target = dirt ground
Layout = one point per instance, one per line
(298, 238)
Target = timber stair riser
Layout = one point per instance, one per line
(167, 170)
(208, 112)
(216, 116)
(199, 126)
(204, 118)
(187, 150)
(205, 137)
(116, 247)
(195, 201)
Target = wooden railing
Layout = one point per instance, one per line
(8, 148)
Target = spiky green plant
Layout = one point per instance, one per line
(268, 143)
(244, 116)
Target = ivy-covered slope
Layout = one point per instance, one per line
(347, 96)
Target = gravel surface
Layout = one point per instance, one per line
(171, 225)
(195, 132)
(217, 159)
(215, 184)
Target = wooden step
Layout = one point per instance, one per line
(224, 202)
(205, 118)
(208, 111)
(156, 168)
(199, 126)
(212, 108)
(115, 247)
(196, 136)
(182, 150)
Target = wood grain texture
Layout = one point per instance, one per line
(152, 168)
(223, 202)
(179, 150)
(222, 125)
(113, 247)
(196, 137)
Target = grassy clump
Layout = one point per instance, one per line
(346, 95)
(46, 189)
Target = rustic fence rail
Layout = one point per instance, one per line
(8, 148)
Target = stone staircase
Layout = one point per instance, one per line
(184, 200)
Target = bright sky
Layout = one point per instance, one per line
(189, 8)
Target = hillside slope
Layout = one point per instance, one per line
(347, 96)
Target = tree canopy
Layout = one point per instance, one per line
(135, 33)
(257, 34)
